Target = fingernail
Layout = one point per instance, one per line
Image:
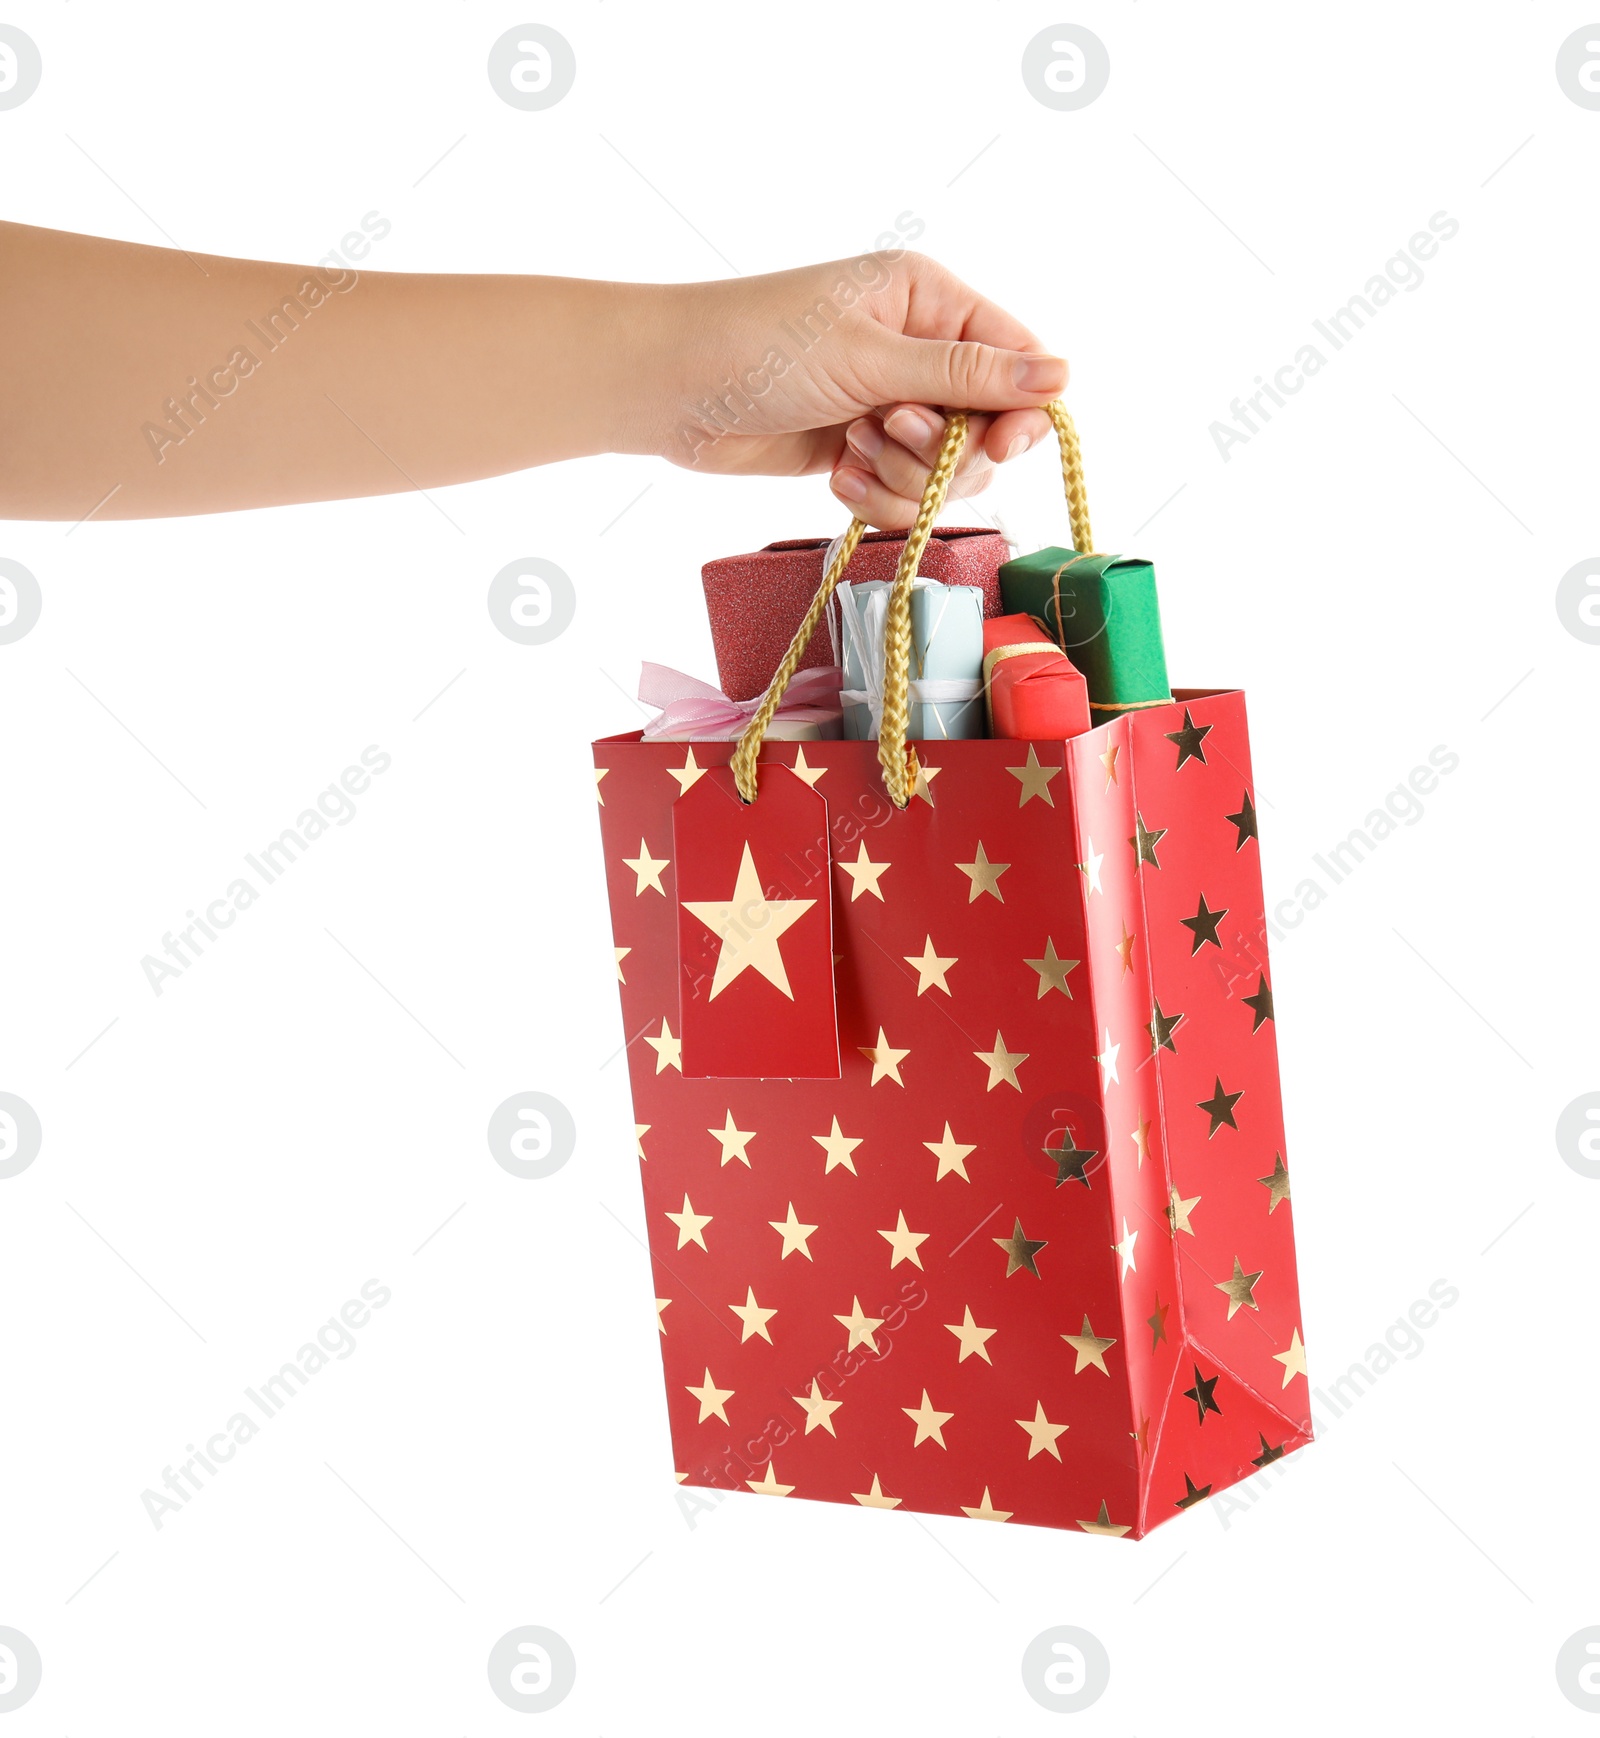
(912, 429)
(850, 484)
(1017, 448)
(864, 436)
(1039, 373)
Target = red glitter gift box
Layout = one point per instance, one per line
(1019, 1244)
(755, 601)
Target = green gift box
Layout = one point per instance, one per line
(1103, 613)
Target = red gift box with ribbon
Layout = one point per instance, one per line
(956, 1092)
(755, 602)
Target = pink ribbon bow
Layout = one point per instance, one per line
(694, 709)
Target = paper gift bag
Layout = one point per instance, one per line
(974, 1198)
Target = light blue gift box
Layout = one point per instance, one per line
(946, 697)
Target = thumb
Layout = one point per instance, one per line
(959, 375)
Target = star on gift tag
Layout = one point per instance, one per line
(755, 929)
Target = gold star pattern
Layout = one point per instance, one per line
(1203, 926)
(1268, 1453)
(905, 1243)
(1240, 1290)
(819, 1411)
(689, 774)
(860, 1327)
(1002, 1063)
(800, 769)
(983, 875)
(839, 1146)
(1072, 1161)
(711, 1398)
(929, 1420)
(1294, 1360)
(749, 925)
(621, 953)
(1189, 739)
(1104, 1525)
(647, 871)
(1091, 864)
(973, 1338)
(1125, 950)
(767, 1485)
(1020, 1250)
(661, 1304)
(1091, 1349)
(1142, 1434)
(925, 776)
(1193, 1494)
(733, 1141)
(1261, 1003)
(1141, 1139)
(1157, 1324)
(986, 1511)
(755, 1318)
(1162, 1026)
(1125, 1249)
(640, 1130)
(875, 1499)
(1144, 843)
(885, 1059)
(669, 1050)
(1178, 1211)
(951, 1154)
(864, 876)
(1034, 779)
(1042, 1433)
(793, 1233)
(1219, 1107)
(1052, 970)
(931, 967)
(1277, 1183)
(1200, 1394)
(691, 1225)
(1108, 1058)
(1245, 821)
(1109, 761)
(599, 773)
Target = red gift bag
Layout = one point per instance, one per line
(1005, 1229)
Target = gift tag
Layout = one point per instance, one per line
(755, 930)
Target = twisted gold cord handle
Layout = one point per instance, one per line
(897, 757)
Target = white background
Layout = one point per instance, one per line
(1378, 567)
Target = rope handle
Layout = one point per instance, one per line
(896, 755)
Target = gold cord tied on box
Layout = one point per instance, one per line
(898, 757)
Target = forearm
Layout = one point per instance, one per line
(140, 381)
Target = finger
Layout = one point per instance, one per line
(899, 468)
(865, 496)
(1013, 433)
(920, 430)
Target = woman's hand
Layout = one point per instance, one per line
(842, 368)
